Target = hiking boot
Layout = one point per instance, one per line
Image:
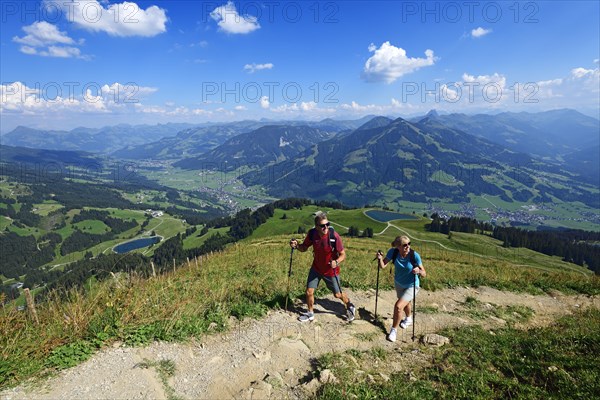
(350, 312)
(309, 316)
(392, 335)
(406, 322)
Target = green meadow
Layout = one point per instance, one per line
(250, 277)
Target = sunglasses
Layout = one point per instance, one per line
(324, 225)
(406, 244)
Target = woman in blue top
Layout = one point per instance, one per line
(406, 280)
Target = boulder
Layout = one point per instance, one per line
(435, 339)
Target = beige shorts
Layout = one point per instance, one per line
(406, 294)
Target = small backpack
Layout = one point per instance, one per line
(411, 255)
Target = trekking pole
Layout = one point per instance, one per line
(337, 278)
(288, 282)
(414, 304)
(377, 286)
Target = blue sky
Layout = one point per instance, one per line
(93, 63)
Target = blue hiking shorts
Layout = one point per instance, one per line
(331, 281)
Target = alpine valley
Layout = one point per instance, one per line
(478, 165)
(195, 188)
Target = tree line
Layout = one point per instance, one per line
(116, 225)
(101, 267)
(353, 231)
(24, 216)
(457, 224)
(21, 254)
(573, 245)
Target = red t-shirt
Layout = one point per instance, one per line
(323, 253)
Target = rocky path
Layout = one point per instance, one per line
(274, 357)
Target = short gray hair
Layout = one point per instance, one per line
(320, 216)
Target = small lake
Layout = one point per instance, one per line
(136, 244)
(385, 216)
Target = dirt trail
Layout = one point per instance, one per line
(273, 357)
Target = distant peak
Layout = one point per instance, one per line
(22, 129)
(375, 122)
(432, 114)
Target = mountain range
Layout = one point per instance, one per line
(96, 140)
(517, 156)
(262, 146)
(549, 135)
(194, 142)
(25, 155)
(172, 141)
(418, 162)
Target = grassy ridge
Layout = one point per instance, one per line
(556, 362)
(194, 240)
(244, 280)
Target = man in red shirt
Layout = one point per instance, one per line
(325, 265)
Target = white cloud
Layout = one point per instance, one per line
(40, 34)
(172, 111)
(369, 108)
(202, 43)
(354, 109)
(286, 108)
(44, 39)
(240, 108)
(53, 98)
(309, 110)
(264, 102)
(489, 91)
(546, 89)
(483, 80)
(124, 19)
(230, 21)
(396, 104)
(479, 32)
(449, 93)
(579, 73)
(579, 89)
(200, 111)
(129, 92)
(308, 106)
(28, 50)
(64, 52)
(251, 68)
(586, 81)
(388, 63)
